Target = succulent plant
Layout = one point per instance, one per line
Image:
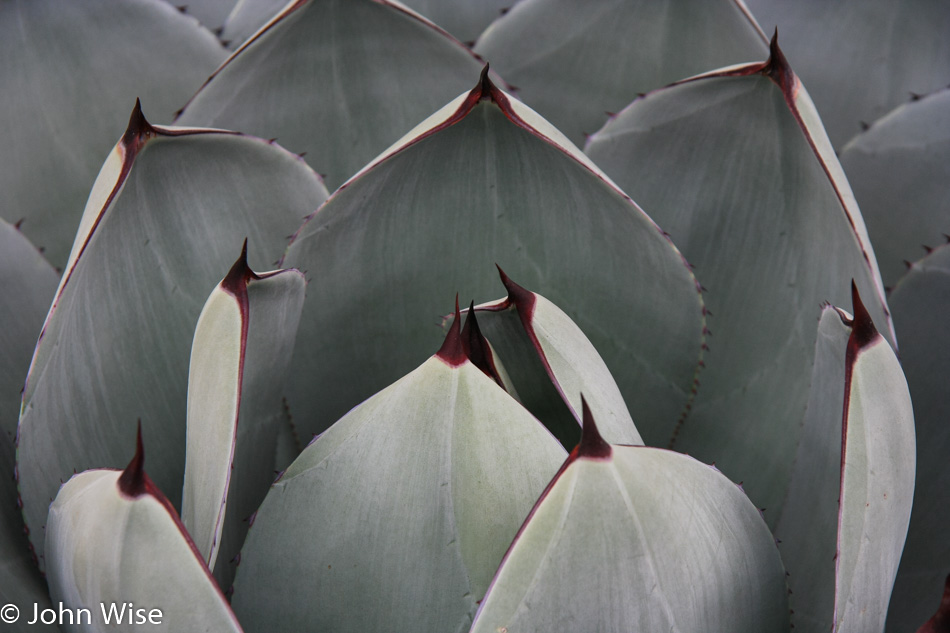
(687, 413)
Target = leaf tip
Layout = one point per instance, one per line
(523, 299)
(779, 70)
(452, 351)
(863, 330)
(139, 129)
(592, 445)
(132, 481)
(476, 347)
(235, 282)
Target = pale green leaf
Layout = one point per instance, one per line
(861, 58)
(921, 303)
(574, 62)
(395, 519)
(763, 212)
(166, 217)
(551, 363)
(807, 522)
(339, 80)
(877, 479)
(70, 72)
(486, 181)
(630, 538)
(115, 543)
(239, 359)
(899, 170)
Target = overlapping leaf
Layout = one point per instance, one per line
(575, 61)
(337, 79)
(246, 17)
(842, 527)
(899, 170)
(395, 519)
(486, 181)
(551, 363)
(70, 71)
(764, 213)
(163, 223)
(241, 351)
(921, 303)
(118, 550)
(464, 19)
(630, 538)
(861, 58)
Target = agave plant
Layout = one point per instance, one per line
(686, 413)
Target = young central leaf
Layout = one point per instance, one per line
(396, 518)
(486, 181)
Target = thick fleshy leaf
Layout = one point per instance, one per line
(574, 62)
(551, 363)
(71, 70)
(28, 283)
(396, 518)
(246, 18)
(842, 556)
(163, 222)
(339, 80)
(239, 360)
(764, 213)
(877, 478)
(807, 523)
(861, 58)
(899, 170)
(118, 550)
(486, 181)
(921, 303)
(630, 538)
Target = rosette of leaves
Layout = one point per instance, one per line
(445, 501)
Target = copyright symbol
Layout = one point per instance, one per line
(9, 613)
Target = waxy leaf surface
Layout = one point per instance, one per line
(164, 221)
(396, 518)
(861, 58)
(464, 19)
(486, 181)
(921, 303)
(877, 479)
(70, 72)
(551, 364)
(764, 214)
(239, 359)
(246, 18)
(337, 79)
(574, 62)
(115, 542)
(630, 538)
(899, 170)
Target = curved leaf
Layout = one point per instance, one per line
(551, 363)
(164, 220)
(921, 302)
(862, 58)
(638, 539)
(763, 212)
(239, 359)
(899, 171)
(211, 13)
(486, 181)
(877, 478)
(574, 62)
(115, 543)
(339, 80)
(396, 518)
(464, 19)
(71, 71)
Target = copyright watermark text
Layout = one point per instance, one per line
(107, 613)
